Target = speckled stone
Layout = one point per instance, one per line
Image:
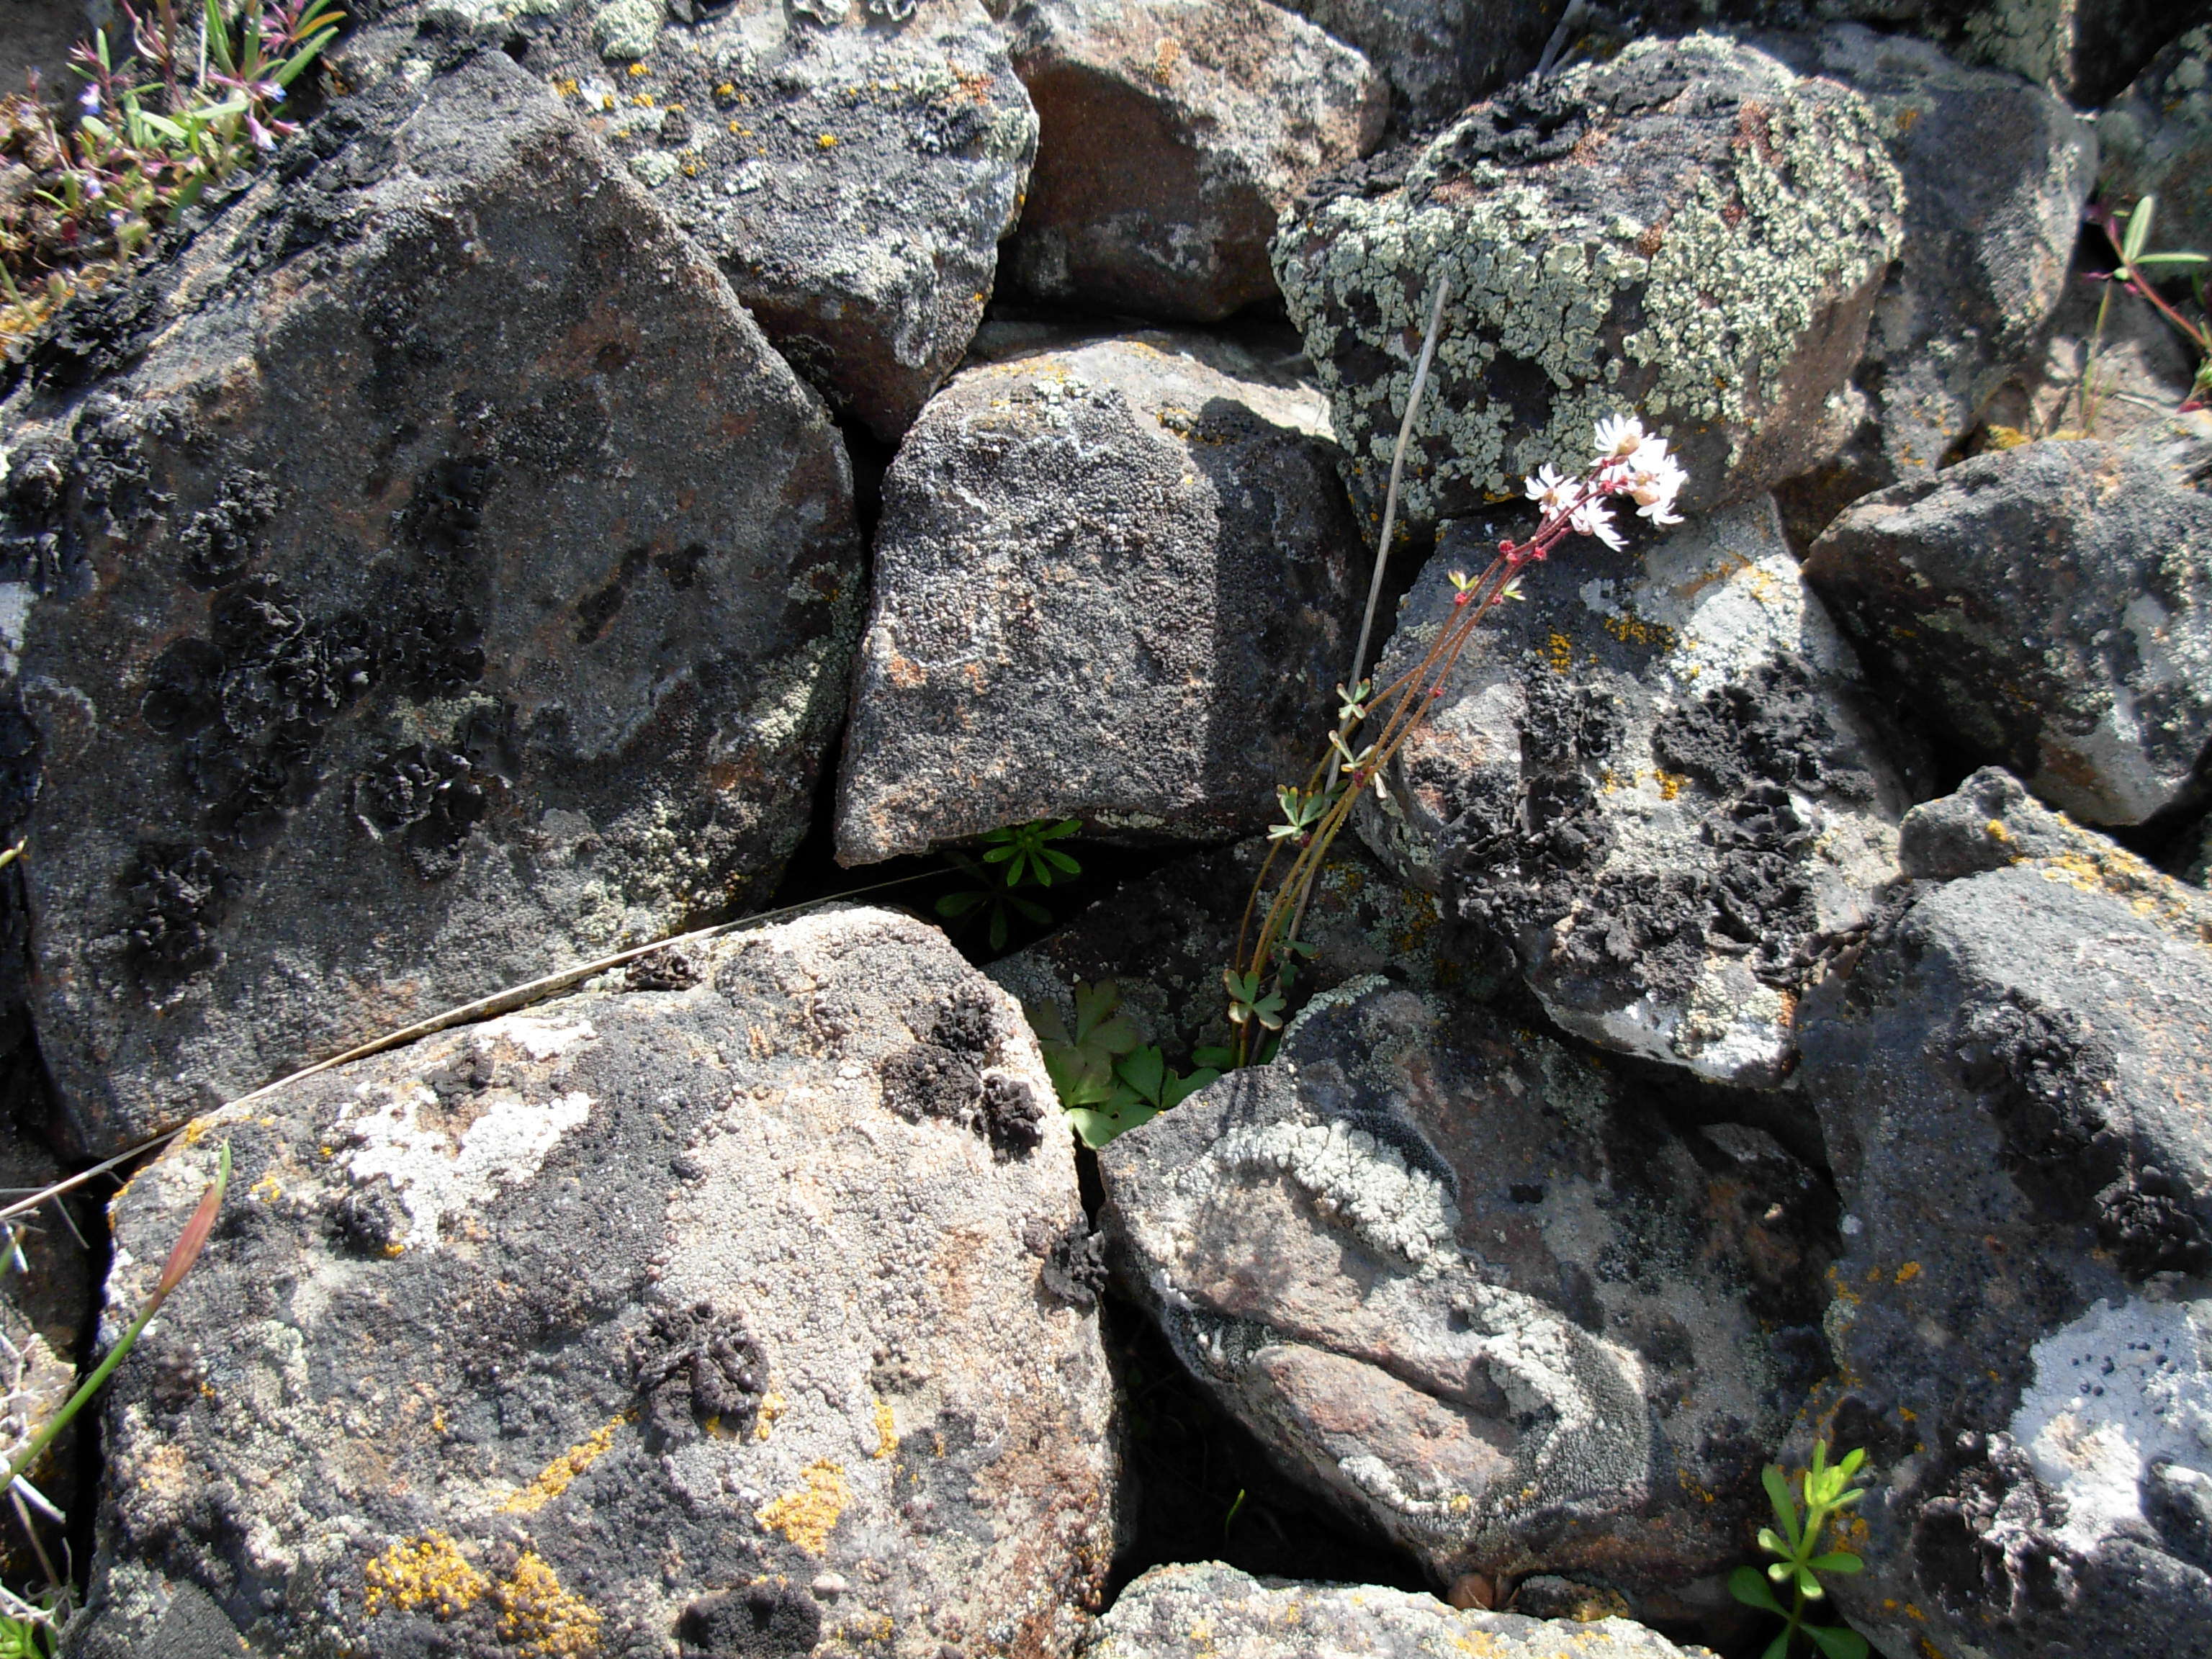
(1208, 1610)
(1114, 582)
(1464, 1283)
(2048, 609)
(443, 583)
(1439, 55)
(642, 1316)
(2011, 1077)
(1689, 231)
(1650, 787)
(2157, 140)
(1171, 135)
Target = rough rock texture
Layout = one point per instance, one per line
(2083, 50)
(1988, 243)
(1647, 786)
(443, 581)
(2011, 1078)
(851, 163)
(1467, 1287)
(714, 1312)
(2144, 371)
(2157, 139)
(1689, 230)
(1170, 136)
(2048, 607)
(1440, 55)
(1112, 583)
(1165, 941)
(1209, 1610)
(35, 38)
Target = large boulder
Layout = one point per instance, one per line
(2011, 1078)
(1440, 55)
(851, 166)
(2157, 140)
(1114, 582)
(716, 1308)
(1650, 787)
(1464, 1283)
(2049, 609)
(1688, 230)
(444, 581)
(1171, 136)
(1200, 1611)
(1987, 250)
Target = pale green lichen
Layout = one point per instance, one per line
(1695, 320)
(625, 30)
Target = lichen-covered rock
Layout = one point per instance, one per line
(2011, 1078)
(2048, 606)
(1466, 1285)
(1209, 1610)
(2084, 49)
(851, 164)
(1988, 244)
(714, 1314)
(1170, 136)
(1648, 786)
(443, 582)
(1112, 582)
(2157, 140)
(1439, 55)
(1689, 231)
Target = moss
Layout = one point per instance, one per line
(1561, 311)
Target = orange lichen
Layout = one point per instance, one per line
(540, 1618)
(886, 1430)
(428, 1572)
(554, 1479)
(807, 1514)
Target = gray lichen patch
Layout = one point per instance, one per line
(1689, 231)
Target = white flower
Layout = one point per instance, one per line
(1656, 480)
(1551, 492)
(1620, 438)
(1596, 519)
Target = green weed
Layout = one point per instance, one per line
(1801, 1559)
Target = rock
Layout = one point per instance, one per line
(1466, 1284)
(2011, 1082)
(1987, 249)
(1163, 942)
(2157, 140)
(2047, 607)
(638, 1315)
(1112, 582)
(1183, 1612)
(445, 582)
(2086, 51)
(1170, 136)
(1648, 787)
(852, 167)
(1689, 231)
(1439, 55)
(37, 41)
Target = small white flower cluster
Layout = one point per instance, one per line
(1628, 462)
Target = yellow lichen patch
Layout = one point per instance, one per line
(886, 1429)
(428, 1572)
(827, 141)
(266, 1189)
(1631, 630)
(1908, 1272)
(1671, 784)
(553, 1480)
(771, 1407)
(807, 1514)
(1559, 653)
(540, 1618)
(639, 68)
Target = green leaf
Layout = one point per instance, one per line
(998, 933)
(1779, 1647)
(1838, 1643)
(959, 904)
(1028, 909)
(1097, 1025)
(1807, 1586)
(2175, 259)
(1785, 1506)
(1749, 1586)
(1181, 1088)
(1215, 1059)
(1144, 1071)
(1097, 1127)
(2138, 232)
(1841, 1561)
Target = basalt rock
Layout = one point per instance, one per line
(1689, 231)
(1466, 1285)
(851, 164)
(1440, 55)
(1986, 254)
(1112, 582)
(1184, 1612)
(1650, 787)
(2157, 141)
(1171, 135)
(2047, 607)
(2010, 1073)
(442, 582)
(640, 1319)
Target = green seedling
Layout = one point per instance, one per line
(1026, 858)
(1800, 1558)
(1108, 1081)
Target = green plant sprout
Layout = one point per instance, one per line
(1028, 857)
(1828, 1491)
(1108, 1081)
(2129, 232)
